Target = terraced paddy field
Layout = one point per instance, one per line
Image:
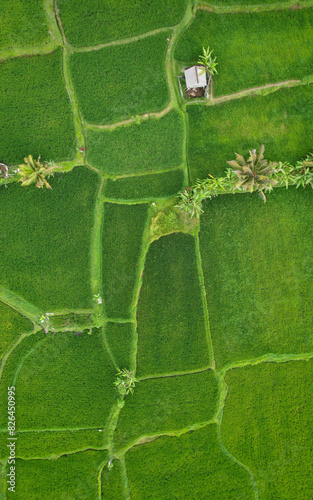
(103, 273)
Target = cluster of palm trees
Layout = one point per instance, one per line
(253, 174)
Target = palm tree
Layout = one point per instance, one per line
(34, 171)
(255, 173)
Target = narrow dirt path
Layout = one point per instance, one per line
(252, 91)
(250, 9)
(144, 117)
(123, 41)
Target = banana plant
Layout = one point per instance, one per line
(208, 62)
(191, 202)
(32, 171)
(125, 382)
(304, 172)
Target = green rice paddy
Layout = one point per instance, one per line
(168, 465)
(12, 325)
(111, 20)
(103, 273)
(74, 475)
(175, 403)
(253, 49)
(145, 187)
(272, 404)
(281, 121)
(46, 239)
(22, 24)
(258, 268)
(171, 322)
(121, 247)
(35, 110)
(141, 87)
(152, 146)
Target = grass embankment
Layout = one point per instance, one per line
(84, 23)
(36, 110)
(281, 121)
(171, 329)
(115, 83)
(151, 146)
(267, 425)
(257, 264)
(46, 236)
(252, 49)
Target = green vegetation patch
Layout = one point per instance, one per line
(22, 23)
(49, 444)
(66, 383)
(165, 405)
(252, 49)
(153, 145)
(267, 425)
(121, 245)
(13, 362)
(281, 121)
(171, 331)
(90, 22)
(257, 3)
(190, 466)
(120, 338)
(12, 325)
(46, 240)
(116, 82)
(258, 268)
(112, 482)
(36, 113)
(71, 476)
(145, 187)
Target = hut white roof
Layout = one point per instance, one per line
(195, 77)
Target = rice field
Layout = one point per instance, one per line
(152, 355)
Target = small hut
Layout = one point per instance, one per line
(196, 82)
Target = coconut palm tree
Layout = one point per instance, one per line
(34, 171)
(255, 173)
